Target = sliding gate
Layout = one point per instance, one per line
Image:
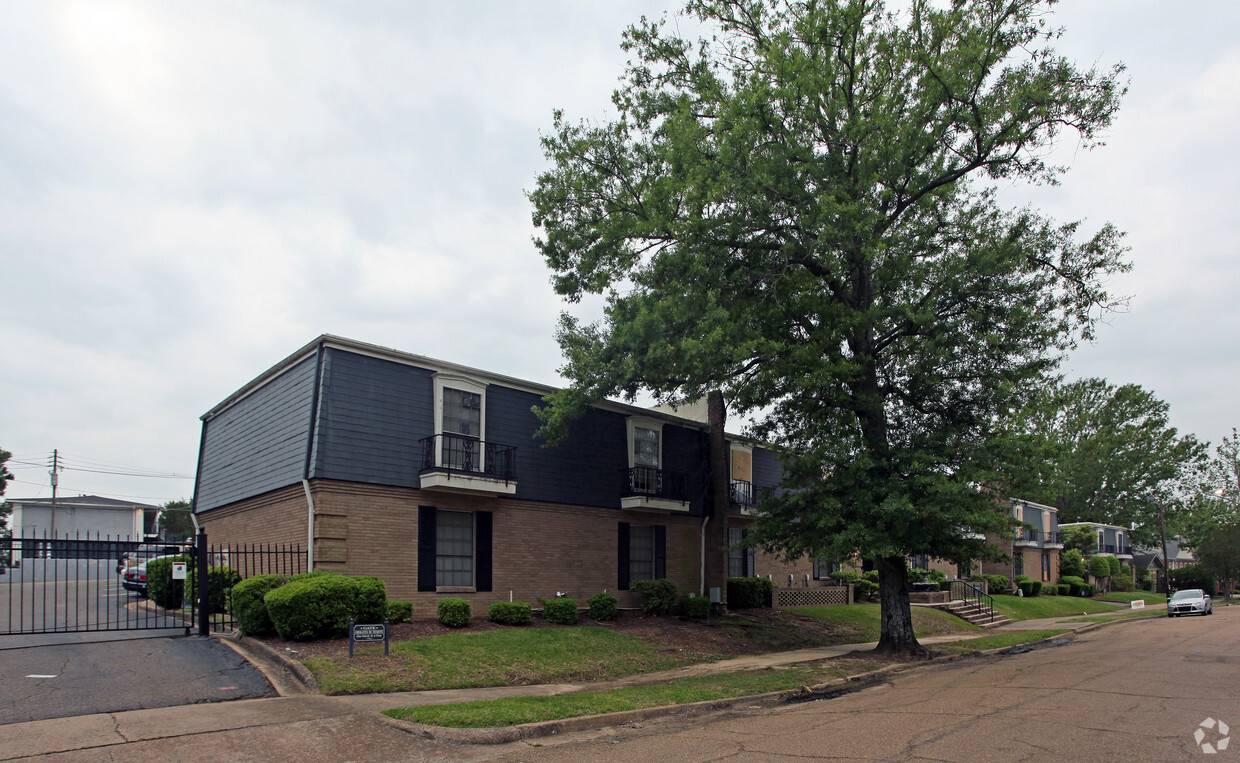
(74, 585)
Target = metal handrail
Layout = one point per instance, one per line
(469, 455)
(653, 482)
(972, 595)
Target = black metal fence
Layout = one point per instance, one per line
(653, 482)
(81, 584)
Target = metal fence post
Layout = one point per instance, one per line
(203, 585)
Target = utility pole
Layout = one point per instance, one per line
(55, 483)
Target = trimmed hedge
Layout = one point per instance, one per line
(695, 607)
(748, 593)
(994, 583)
(399, 611)
(658, 596)
(220, 580)
(560, 611)
(510, 613)
(454, 613)
(1074, 584)
(603, 606)
(320, 605)
(1030, 587)
(160, 587)
(248, 607)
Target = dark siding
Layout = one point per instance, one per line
(684, 452)
(585, 469)
(258, 444)
(766, 469)
(372, 415)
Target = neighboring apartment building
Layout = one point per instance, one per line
(1034, 550)
(428, 475)
(1113, 540)
(86, 518)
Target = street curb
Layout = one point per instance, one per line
(288, 676)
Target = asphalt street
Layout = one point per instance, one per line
(59, 680)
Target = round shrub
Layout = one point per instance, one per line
(510, 613)
(695, 607)
(399, 611)
(748, 593)
(658, 596)
(160, 587)
(1099, 567)
(369, 599)
(454, 613)
(220, 581)
(603, 606)
(248, 607)
(1116, 565)
(560, 611)
(1073, 583)
(311, 608)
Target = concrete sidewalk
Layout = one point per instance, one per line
(303, 725)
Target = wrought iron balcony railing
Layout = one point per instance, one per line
(1037, 537)
(742, 494)
(469, 455)
(653, 483)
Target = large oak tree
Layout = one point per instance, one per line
(797, 209)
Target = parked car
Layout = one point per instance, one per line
(145, 553)
(134, 577)
(1190, 601)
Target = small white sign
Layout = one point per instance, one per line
(1139, 604)
(178, 570)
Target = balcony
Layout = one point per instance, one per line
(459, 463)
(1115, 549)
(1037, 538)
(648, 488)
(741, 493)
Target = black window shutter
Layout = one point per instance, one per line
(482, 550)
(660, 552)
(622, 555)
(749, 556)
(426, 548)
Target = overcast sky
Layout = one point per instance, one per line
(191, 191)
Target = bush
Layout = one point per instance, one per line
(1065, 589)
(602, 606)
(399, 611)
(658, 596)
(1073, 583)
(862, 587)
(1147, 584)
(454, 613)
(1185, 577)
(160, 587)
(510, 613)
(1099, 567)
(936, 576)
(1037, 587)
(220, 580)
(1122, 581)
(1030, 587)
(560, 611)
(696, 607)
(1089, 589)
(994, 583)
(248, 607)
(1115, 564)
(369, 599)
(1050, 590)
(310, 608)
(1071, 563)
(747, 593)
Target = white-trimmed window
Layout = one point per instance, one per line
(460, 420)
(645, 455)
(454, 549)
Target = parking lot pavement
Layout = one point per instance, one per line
(59, 680)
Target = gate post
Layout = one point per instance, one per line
(203, 584)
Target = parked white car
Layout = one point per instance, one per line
(1190, 601)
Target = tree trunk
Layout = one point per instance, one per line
(720, 494)
(895, 611)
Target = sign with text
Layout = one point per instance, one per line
(368, 633)
(1139, 604)
(178, 570)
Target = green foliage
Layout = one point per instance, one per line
(603, 606)
(786, 213)
(994, 583)
(1103, 449)
(320, 605)
(1074, 583)
(1072, 563)
(560, 611)
(249, 608)
(5, 474)
(1030, 587)
(220, 581)
(176, 518)
(695, 607)
(1089, 589)
(1192, 576)
(747, 593)
(160, 587)
(399, 611)
(1218, 554)
(658, 596)
(454, 613)
(1099, 567)
(510, 613)
(1115, 565)
(1079, 538)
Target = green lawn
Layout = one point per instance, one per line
(493, 658)
(862, 624)
(1034, 607)
(1149, 597)
(518, 710)
(996, 641)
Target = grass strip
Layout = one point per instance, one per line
(514, 711)
(494, 658)
(1126, 596)
(996, 641)
(1035, 607)
(859, 623)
